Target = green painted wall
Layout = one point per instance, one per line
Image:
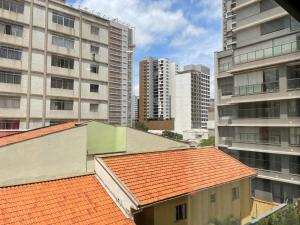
(103, 138)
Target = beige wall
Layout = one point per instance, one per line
(138, 141)
(57, 155)
(200, 211)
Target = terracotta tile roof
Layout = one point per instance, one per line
(35, 133)
(80, 200)
(6, 133)
(156, 176)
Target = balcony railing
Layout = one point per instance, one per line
(267, 87)
(224, 67)
(262, 164)
(254, 138)
(293, 83)
(277, 50)
(259, 113)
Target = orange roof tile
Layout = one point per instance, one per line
(80, 200)
(35, 133)
(156, 176)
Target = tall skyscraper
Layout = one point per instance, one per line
(257, 82)
(192, 97)
(157, 77)
(60, 63)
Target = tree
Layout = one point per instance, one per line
(286, 216)
(172, 135)
(230, 220)
(208, 142)
(141, 126)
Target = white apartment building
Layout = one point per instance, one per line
(56, 65)
(157, 81)
(192, 98)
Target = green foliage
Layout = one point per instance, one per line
(230, 220)
(141, 126)
(172, 135)
(287, 216)
(208, 142)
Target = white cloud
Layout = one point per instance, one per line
(154, 21)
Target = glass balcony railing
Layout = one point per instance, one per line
(262, 164)
(293, 83)
(255, 138)
(225, 67)
(257, 88)
(277, 50)
(259, 113)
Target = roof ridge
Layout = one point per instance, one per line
(154, 152)
(48, 181)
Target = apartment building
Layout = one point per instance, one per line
(157, 81)
(257, 95)
(135, 108)
(192, 98)
(57, 65)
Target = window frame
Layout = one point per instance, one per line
(181, 212)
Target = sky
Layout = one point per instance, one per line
(185, 31)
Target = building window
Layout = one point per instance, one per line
(11, 29)
(9, 124)
(10, 102)
(212, 198)
(63, 42)
(181, 212)
(13, 6)
(235, 193)
(57, 104)
(94, 30)
(63, 20)
(94, 49)
(295, 136)
(10, 77)
(62, 83)
(59, 61)
(94, 107)
(295, 25)
(10, 53)
(94, 69)
(275, 25)
(94, 88)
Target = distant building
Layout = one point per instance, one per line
(192, 95)
(156, 88)
(135, 109)
(59, 63)
(257, 82)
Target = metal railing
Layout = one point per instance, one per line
(259, 113)
(255, 138)
(266, 87)
(294, 83)
(277, 50)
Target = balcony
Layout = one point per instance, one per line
(262, 164)
(272, 112)
(255, 138)
(225, 67)
(253, 89)
(283, 49)
(293, 84)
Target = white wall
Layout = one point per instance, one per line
(183, 117)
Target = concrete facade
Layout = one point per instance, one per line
(57, 65)
(192, 98)
(257, 97)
